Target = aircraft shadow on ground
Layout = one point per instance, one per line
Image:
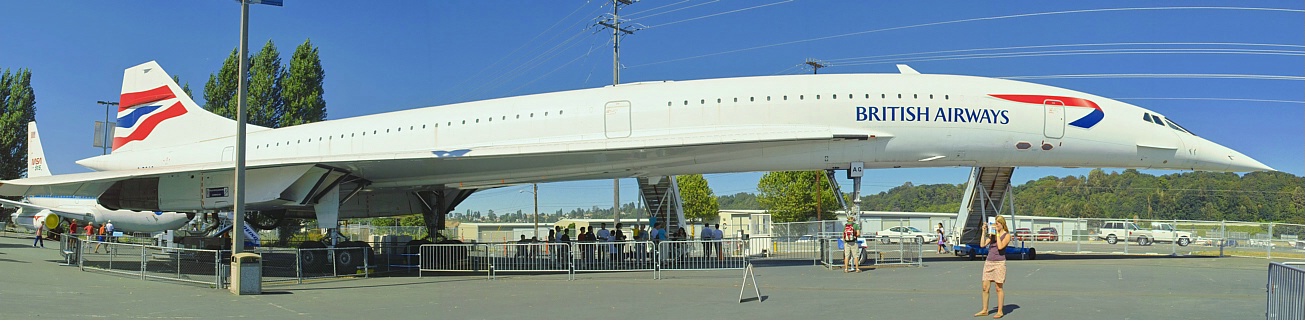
(1085, 256)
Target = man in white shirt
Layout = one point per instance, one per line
(603, 235)
(706, 237)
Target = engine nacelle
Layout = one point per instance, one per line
(31, 220)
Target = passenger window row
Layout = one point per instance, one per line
(389, 130)
(804, 97)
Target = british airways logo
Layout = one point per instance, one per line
(1085, 122)
(138, 117)
(930, 114)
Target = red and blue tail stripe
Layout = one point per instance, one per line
(141, 120)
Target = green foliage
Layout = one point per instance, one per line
(944, 198)
(739, 201)
(220, 90)
(699, 202)
(301, 89)
(264, 105)
(792, 196)
(17, 108)
(184, 88)
(1254, 197)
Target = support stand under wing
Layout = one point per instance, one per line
(437, 204)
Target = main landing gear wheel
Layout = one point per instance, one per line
(350, 255)
(311, 257)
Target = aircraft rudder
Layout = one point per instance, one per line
(154, 112)
(36, 163)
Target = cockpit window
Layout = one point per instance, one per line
(1146, 117)
(1158, 121)
(1179, 127)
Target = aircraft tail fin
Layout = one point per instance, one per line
(153, 112)
(36, 164)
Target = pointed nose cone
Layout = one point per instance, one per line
(1215, 157)
(1237, 162)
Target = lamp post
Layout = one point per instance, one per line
(108, 133)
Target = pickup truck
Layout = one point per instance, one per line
(1113, 231)
(1165, 232)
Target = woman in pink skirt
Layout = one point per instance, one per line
(994, 267)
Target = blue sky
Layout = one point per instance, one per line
(391, 55)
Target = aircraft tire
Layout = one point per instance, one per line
(312, 259)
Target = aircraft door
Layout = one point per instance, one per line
(1053, 121)
(228, 154)
(617, 119)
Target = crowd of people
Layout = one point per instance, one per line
(101, 233)
(600, 244)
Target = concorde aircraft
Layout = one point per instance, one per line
(171, 155)
(50, 210)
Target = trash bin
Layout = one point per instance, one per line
(246, 274)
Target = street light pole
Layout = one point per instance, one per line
(108, 132)
(536, 192)
(238, 226)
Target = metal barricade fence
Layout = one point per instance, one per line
(613, 256)
(153, 262)
(517, 257)
(883, 250)
(1286, 288)
(699, 255)
(795, 248)
(281, 266)
(455, 258)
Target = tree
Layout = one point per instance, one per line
(792, 196)
(17, 108)
(264, 104)
(739, 201)
(220, 91)
(301, 88)
(184, 88)
(699, 202)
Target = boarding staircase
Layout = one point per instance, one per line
(986, 192)
(661, 196)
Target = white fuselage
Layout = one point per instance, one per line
(944, 119)
(123, 220)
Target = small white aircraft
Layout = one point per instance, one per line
(50, 210)
(171, 155)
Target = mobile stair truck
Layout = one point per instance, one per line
(987, 193)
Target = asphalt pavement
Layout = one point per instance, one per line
(1055, 286)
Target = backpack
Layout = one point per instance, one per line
(849, 232)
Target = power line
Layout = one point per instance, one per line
(1025, 15)
(1180, 76)
(719, 13)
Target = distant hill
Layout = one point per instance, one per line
(1260, 196)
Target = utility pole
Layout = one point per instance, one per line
(536, 193)
(617, 31)
(815, 65)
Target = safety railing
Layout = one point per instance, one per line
(153, 262)
(881, 250)
(514, 257)
(1286, 288)
(782, 248)
(456, 258)
(700, 255)
(613, 256)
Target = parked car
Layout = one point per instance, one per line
(1047, 234)
(1165, 232)
(1023, 234)
(897, 233)
(1113, 231)
(806, 239)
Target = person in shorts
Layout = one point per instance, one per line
(851, 231)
